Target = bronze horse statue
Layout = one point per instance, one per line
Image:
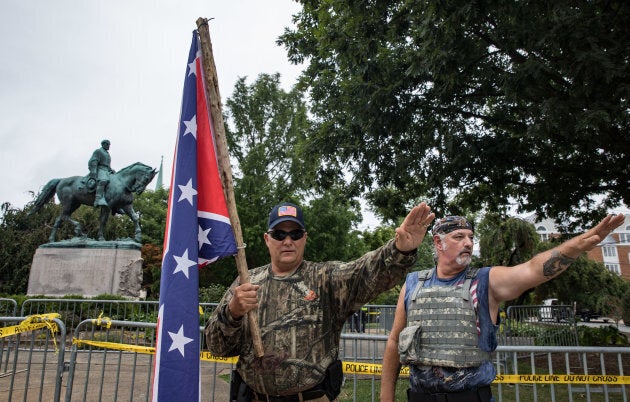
(74, 192)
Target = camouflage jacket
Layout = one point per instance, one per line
(301, 317)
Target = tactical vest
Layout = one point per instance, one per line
(441, 326)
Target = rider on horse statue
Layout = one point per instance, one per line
(100, 169)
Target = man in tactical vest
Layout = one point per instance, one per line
(447, 317)
(100, 170)
(301, 309)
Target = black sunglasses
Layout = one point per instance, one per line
(280, 235)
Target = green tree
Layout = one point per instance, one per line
(270, 126)
(266, 134)
(626, 307)
(506, 242)
(330, 224)
(472, 103)
(151, 206)
(380, 236)
(20, 235)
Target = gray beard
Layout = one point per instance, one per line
(463, 260)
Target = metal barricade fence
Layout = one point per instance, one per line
(111, 360)
(73, 311)
(538, 325)
(550, 373)
(537, 373)
(8, 307)
(378, 319)
(98, 371)
(30, 373)
(373, 319)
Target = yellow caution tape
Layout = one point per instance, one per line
(206, 356)
(31, 323)
(350, 367)
(102, 321)
(603, 379)
(115, 346)
(369, 368)
(18, 329)
(209, 357)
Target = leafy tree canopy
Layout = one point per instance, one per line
(266, 136)
(475, 104)
(20, 235)
(506, 242)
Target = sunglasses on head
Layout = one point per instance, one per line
(280, 235)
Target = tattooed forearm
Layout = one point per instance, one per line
(556, 264)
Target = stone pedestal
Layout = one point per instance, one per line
(87, 268)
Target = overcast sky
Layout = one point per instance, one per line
(76, 72)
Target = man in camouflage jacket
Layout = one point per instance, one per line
(302, 305)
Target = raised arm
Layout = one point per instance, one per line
(507, 283)
(410, 233)
(391, 359)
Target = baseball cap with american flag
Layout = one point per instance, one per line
(285, 212)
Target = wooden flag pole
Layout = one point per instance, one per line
(214, 101)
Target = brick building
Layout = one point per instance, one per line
(614, 251)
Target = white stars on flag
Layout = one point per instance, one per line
(183, 264)
(188, 192)
(192, 67)
(191, 126)
(202, 237)
(179, 340)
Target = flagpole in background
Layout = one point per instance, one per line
(214, 104)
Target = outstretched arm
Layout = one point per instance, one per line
(507, 283)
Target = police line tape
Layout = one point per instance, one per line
(43, 321)
(602, 379)
(376, 369)
(31, 323)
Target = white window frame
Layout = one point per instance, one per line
(609, 251)
(612, 267)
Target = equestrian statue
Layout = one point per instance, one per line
(102, 187)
